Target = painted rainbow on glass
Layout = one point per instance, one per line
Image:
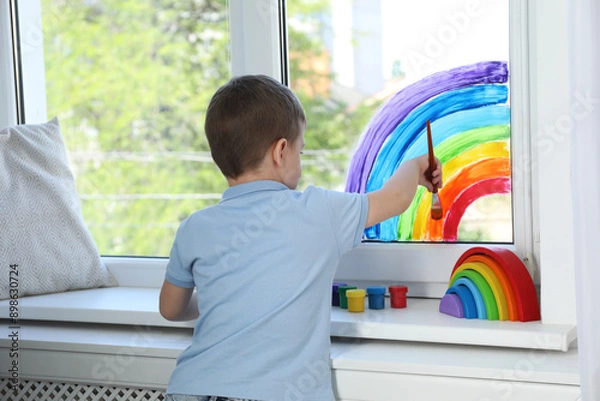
(470, 122)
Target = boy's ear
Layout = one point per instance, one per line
(278, 148)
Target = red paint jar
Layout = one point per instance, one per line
(398, 296)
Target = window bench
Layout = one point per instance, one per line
(115, 337)
(420, 321)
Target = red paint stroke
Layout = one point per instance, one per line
(478, 190)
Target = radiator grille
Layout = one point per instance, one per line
(50, 391)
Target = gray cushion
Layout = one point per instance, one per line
(42, 230)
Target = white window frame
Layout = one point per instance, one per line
(535, 62)
(8, 109)
(32, 60)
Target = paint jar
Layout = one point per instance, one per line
(335, 297)
(398, 296)
(376, 297)
(342, 291)
(356, 300)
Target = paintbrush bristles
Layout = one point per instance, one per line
(437, 212)
(436, 207)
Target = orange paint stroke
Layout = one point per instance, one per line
(436, 227)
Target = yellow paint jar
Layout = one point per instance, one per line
(356, 300)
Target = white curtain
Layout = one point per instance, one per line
(584, 43)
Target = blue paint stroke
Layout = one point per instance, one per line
(457, 123)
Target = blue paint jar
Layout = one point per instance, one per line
(335, 296)
(376, 297)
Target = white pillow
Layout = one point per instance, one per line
(42, 232)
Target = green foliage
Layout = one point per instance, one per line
(130, 81)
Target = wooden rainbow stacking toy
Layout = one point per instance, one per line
(491, 283)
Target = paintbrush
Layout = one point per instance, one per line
(436, 206)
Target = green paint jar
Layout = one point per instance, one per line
(342, 291)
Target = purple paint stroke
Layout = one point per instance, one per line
(402, 103)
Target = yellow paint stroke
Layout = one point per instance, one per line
(484, 151)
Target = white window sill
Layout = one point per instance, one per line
(419, 322)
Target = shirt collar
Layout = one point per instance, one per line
(250, 187)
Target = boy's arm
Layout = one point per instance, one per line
(398, 192)
(178, 303)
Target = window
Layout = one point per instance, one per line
(174, 177)
(540, 172)
(350, 57)
(130, 81)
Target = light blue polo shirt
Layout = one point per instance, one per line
(263, 262)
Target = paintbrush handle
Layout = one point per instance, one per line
(432, 162)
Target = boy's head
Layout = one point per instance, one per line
(246, 117)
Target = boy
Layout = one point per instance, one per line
(263, 259)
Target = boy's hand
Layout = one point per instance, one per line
(427, 178)
(398, 192)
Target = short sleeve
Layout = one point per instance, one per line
(348, 213)
(177, 272)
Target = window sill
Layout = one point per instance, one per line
(419, 322)
(422, 322)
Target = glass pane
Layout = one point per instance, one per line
(372, 72)
(129, 81)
